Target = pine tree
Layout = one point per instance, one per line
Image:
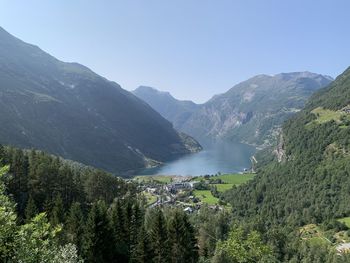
(128, 224)
(142, 251)
(190, 241)
(74, 227)
(31, 209)
(2, 155)
(98, 244)
(183, 243)
(136, 223)
(19, 183)
(57, 211)
(159, 237)
(118, 219)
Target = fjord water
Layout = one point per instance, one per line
(220, 157)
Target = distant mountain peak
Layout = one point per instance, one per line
(303, 74)
(151, 90)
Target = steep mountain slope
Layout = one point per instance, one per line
(176, 111)
(250, 112)
(253, 110)
(66, 109)
(310, 182)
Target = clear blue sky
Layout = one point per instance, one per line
(192, 48)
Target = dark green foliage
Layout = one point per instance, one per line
(31, 209)
(159, 236)
(309, 185)
(212, 226)
(335, 96)
(119, 222)
(102, 186)
(183, 244)
(243, 247)
(2, 155)
(49, 180)
(98, 242)
(19, 184)
(57, 212)
(74, 226)
(142, 250)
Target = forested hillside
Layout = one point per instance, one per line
(65, 212)
(310, 182)
(68, 110)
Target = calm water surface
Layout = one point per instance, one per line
(221, 157)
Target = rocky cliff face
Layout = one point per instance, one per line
(250, 112)
(253, 110)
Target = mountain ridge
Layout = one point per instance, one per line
(312, 166)
(244, 113)
(68, 110)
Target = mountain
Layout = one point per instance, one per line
(176, 111)
(253, 110)
(308, 180)
(250, 112)
(301, 193)
(68, 110)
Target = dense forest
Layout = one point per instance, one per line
(310, 182)
(80, 212)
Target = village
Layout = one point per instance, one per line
(188, 192)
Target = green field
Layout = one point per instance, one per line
(316, 235)
(313, 234)
(318, 241)
(150, 198)
(345, 220)
(159, 178)
(206, 197)
(229, 180)
(325, 115)
(235, 179)
(223, 187)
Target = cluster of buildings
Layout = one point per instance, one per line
(176, 194)
(346, 109)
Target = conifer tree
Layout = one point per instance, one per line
(57, 211)
(159, 237)
(136, 222)
(118, 219)
(183, 243)
(2, 155)
(98, 244)
(142, 251)
(190, 241)
(74, 227)
(19, 183)
(31, 209)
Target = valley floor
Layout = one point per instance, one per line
(189, 192)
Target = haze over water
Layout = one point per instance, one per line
(221, 157)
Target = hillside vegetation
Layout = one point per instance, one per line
(311, 182)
